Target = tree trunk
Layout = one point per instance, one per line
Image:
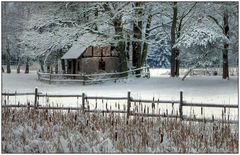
(85, 16)
(177, 50)
(128, 49)
(18, 65)
(27, 66)
(178, 36)
(225, 50)
(177, 63)
(96, 16)
(8, 60)
(118, 27)
(8, 66)
(122, 58)
(137, 35)
(173, 39)
(121, 45)
(145, 46)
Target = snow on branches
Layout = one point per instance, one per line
(202, 33)
(201, 43)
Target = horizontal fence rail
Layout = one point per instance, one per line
(55, 95)
(106, 98)
(129, 100)
(155, 101)
(19, 94)
(213, 71)
(86, 78)
(210, 105)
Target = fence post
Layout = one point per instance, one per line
(181, 104)
(128, 103)
(38, 75)
(83, 102)
(35, 101)
(148, 72)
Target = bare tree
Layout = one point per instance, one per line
(173, 40)
(223, 24)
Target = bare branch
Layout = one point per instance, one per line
(216, 21)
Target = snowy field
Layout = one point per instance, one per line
(196, 89)
(200, 88)
(26, 131)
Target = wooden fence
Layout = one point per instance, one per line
(129, 100)
(233, 71)
(88, 78)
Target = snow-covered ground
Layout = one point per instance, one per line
(28, 132)
(200, 89)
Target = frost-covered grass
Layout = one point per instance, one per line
(41, 131)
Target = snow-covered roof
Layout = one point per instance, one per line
(83, 42)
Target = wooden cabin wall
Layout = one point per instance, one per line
(89, 62)
(98, 52)
(90, 65)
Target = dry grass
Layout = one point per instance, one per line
(45, 131)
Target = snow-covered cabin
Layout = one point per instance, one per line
(91, 53)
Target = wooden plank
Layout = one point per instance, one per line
(156, 101)
(209, 105)
(80, 75)
(128, 104)
(19, 94)
(49, 95)
(118, 73)
(66, 80)
(83, 101)
(35, 98)
(41, 73)
(60, 108)
(106, 98)
(181, 104)
(43, 78)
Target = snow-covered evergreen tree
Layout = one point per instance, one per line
(159, 54)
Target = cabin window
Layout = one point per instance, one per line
(101, 65)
